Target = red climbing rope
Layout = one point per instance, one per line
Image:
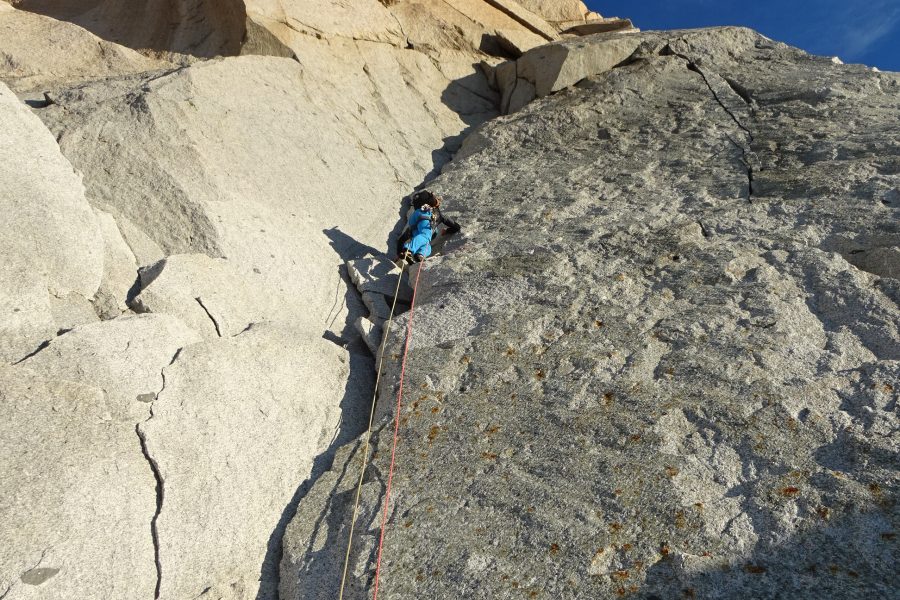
(387, 494)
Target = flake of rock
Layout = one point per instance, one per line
(555, 66)
(119, 269)
(600, 26)
(371, 332)
(377, 274)
(377, 305)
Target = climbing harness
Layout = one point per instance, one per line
(365, 453)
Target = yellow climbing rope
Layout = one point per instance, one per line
(365, 454)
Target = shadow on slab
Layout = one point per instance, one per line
(354, 404)
(217, 27)
(854, 556)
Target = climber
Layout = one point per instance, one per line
(422, 227)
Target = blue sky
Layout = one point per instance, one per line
(858, 31)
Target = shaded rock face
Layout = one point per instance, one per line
(67, 54)
(202, 28)
(663, 362)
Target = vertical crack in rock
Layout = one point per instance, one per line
(745, 151)
(160, 496)
(209, 314)
(157, 474)
(162, 373)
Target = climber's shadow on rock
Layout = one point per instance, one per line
(346, 246)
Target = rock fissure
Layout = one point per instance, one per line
(42, 346)
(319, 34)
(162, 374)
(746, 152)
(209, 314)
(160, 498)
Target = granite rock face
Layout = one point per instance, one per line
(78, 496)
(219, 199)
(664, 361)
(235, 431)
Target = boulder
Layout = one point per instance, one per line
(377, 304)
(50, 240)
(552, 67)
(378, 274)
(78, 494)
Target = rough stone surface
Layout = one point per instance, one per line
(50, 241)
(557, 10)
(245, 162)
(657, 365)
(78, 495)
(524, 16)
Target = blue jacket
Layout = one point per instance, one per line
(420, 226)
